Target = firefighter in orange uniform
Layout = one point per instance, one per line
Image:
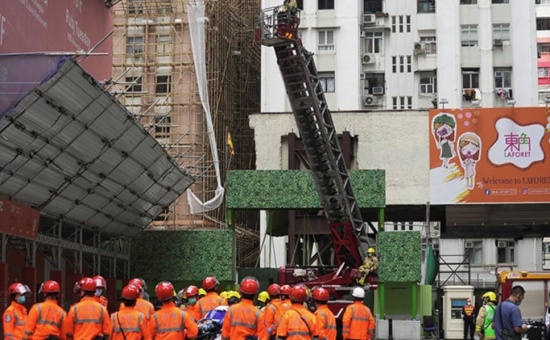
(142, 305)
(87, 319)
(101, 285)
(285, 305)
(326, 322)
(298, 323)
(170, 322)
(241, 319)
(212, 299)
(46, 318)
(191, 293)
(268, 315)
(358, 322)
(128, 323)
(15, 316)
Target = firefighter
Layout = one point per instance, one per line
(326, 322)
(262, 300)
(285, 305)
(233, 297)
(101, 285)
(46, 318)
(298, 322)
(241, 319)
(87, 319)
(268, 316)
(128, 323)
(142, 305)
(212, 299)
(484, 320)
(170, 322)
(370, 265)
(15, 316)
(202, 293)
(358, 322)
(191, 294)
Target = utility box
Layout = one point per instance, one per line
(454, 298)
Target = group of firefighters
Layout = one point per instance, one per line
(281, 312)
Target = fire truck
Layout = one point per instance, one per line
(278, 28)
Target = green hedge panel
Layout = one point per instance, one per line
(295, 189)
(183, 255)
(400, 256)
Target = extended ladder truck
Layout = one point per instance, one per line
(278, 27)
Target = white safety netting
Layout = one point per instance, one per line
(197, 19)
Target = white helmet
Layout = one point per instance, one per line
(358, 292)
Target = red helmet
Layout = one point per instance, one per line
(285, 290)
(250, 286)
(130, 292)
(100, 281)
(298, 294)
(138, 283)
(274, 289)
(320, 294)
(49, 287)
(191, 291)
(86, 284)
(19, 288)
(209, 283)
(164, 291)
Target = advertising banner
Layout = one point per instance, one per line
(18, 220)
(493, 155)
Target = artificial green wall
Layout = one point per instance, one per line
(400, 256)
(296, 189)
(183, 256)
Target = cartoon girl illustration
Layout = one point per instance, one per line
(469, 150)
(444, 132)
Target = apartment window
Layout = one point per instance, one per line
(372, 6)
(469, 35)
(394, 64)
(326, 40)
(470, 78)
(402, 103)
(164, 44)
(162, 127)
(428, 83)
(426, 6)
(401, 63)
(400, 24)
(374, 42)
(409, 64)
(133, 84)
(327, 81)
(543, 48)
(543, 72)
(393, 23)
(135, 7)
(468, 2)
(543, 97)
(501, 31)
(163, 84)
(164, 7)
(325, 4)
(474, 251)
(506, 252)
(408, 23)
(374, 80)
(501, 1)
(394, 102)
(409, 102)
(503, 78)
(542, 2)
(543, 24)
(430, 44)
(134, 46)
(300, 4)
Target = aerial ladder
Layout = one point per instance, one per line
(278, 27)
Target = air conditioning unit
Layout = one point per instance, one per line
(497, 42)
(363, 34)
(368, 59)
(369, 19)
(369, 100)
(499, 74)
(362, 76)
(468, 244)
(378, 90)
(419, 48)
(502, 244)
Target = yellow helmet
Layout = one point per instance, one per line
(233, 294)
(371, 250)
(202, 292)
(263, 296)
(489, 296)
(224, 294)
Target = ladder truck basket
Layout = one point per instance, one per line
(277, 25)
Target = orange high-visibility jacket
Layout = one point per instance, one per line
(240, 320)
(297, 323)
(86, 320)
(193, 310)
(131, 322)
(283, 307)
(102, 300)
(326, 323)
(209, 302)
(45, 319)
(268, 318)
(171, 323)
(144, 307)
(358, 322)
(13, 321)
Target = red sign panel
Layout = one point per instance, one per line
(18, 220)
(59, 26)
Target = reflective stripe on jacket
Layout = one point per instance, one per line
(358, 322)
(171, 323)
(13, 321)
(144, 307)
(240, 320)
(86, 320)
(45, 318)
(297, 323)
(209, 302)
(131, 322)
(326, 323)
